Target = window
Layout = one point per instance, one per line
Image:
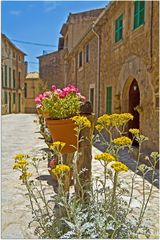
(5, 98)
(14, 55)
(2, 77)
(87, 53)
(14, 98)
(118, 28)
(9, 77)
(19, 58)
(14, 78)
(109, 100)
(19, 79)
(92, 97)
(5, 75)
(80, 59)
(139, 12)
(25, 90)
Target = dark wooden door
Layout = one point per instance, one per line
(134, 100)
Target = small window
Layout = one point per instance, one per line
(87, 53)
(157, 101)
(14, 78)
(5, 98)
(119, 28)
(25, 90)
(14, 98)
(19, 79)
(5, 75)
(9, 77)
(80, 59)
(19, 58)
(92, 97)
(109, 100)
(14, 55)
(139, 13)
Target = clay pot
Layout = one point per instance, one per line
(63, 131)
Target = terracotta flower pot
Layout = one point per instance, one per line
(63, 131)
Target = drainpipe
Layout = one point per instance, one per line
(98, 71)
(151, 26)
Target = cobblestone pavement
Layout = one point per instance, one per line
(21, 134)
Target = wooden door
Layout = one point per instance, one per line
(134, 100)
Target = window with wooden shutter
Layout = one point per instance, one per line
(80, 59)
(139, 13)
(119, 28)
(10, 77)
(109, 100)
(5, 75)
(14, 98)
(87, 53)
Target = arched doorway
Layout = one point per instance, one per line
(134, 101)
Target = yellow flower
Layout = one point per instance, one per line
(99, 127)
(19, 156)
(20, 164)
(59, 169)
(25, 176)
(118, 166)
(105, 157)
(134, 131)
(81, 122)
(57, 146)
(122, 141)
(114, 119)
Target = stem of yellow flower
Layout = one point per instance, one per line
(114, 190)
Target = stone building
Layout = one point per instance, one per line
(80, 43)
(32, 87)
(54, 67)
(51, 68)
(111, 55)
(13, 71)
(129, 76)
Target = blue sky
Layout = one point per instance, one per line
(40, 22)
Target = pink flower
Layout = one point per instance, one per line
(59, 91)
(53, 87)
(81, 97)
(46, 94)
(71, 88)
(37, 100)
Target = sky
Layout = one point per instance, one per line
(39, 22)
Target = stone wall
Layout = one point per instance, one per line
(51, 69)
(130, 59)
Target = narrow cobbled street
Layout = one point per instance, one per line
(20, 133)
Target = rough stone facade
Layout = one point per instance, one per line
(117, 65)
(32, 87)
(13, 71)
(51, 68)
(133, 57)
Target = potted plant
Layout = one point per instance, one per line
(58, 106)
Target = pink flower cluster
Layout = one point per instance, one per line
(70, 88)
(62, 93)
(42, 96)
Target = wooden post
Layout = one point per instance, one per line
(84, 163)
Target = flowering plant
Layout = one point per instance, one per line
(60, 103)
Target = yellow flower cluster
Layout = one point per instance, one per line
(118, 166)
(122, 141)
(113, 120)
(20, 164)
(57, 146)
(25, 176)
(21, 156)
(81, 122)
(134, 131)
(59, 169)
(105, 157)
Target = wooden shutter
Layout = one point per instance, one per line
(109, 100)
